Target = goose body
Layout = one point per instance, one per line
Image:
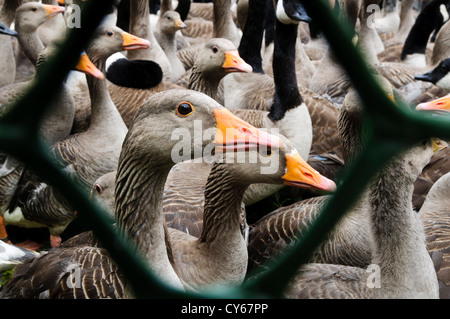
(399, 252)
(142, 219)
(86, 155)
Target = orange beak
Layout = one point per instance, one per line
(180, 24)
(61, 2)
(234, 134)
(52, 10)
(132, 42)
(442, 104)
(234, 63)
(85, 65)
(301, 174)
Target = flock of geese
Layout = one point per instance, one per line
(263, 71)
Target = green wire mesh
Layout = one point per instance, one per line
(392, 129)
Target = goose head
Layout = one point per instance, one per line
(219, 57)
(291, 12)
(439, 76)
(282, 165)
(110, 39)
(5, 30)
(30, 15)
(171, 22)
(190, 125)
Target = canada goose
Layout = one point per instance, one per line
(439, 76)
(89, 154)
(278, 94)
(221, 251)
(169, 23)
(400, 259)
(414, 49)
(142, 219)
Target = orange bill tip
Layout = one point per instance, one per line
(234, 63)
(300, 174)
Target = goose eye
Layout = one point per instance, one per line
(215, 49)
(266, 151)
(109, 33)
(185, 108)
(98, 189)
(34, 9)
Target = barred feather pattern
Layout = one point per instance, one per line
(198, 28)
(72, 273)
(436, 221)
(348, 244)
(328, 281)
(8, 183)
(45, 207)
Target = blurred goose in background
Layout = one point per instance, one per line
(395, 227)
(140, 26)
(168, 25)
(87, 155)
(399, 257)
(138, 209)
(8, 61)
(56, 123)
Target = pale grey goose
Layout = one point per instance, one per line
(8, 61)
(90, 154)
(57, 122)
(144, 162)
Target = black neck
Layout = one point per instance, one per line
(287, 95)
(428, 20)
(252, 35)
(183, 8)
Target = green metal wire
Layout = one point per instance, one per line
(393, 129)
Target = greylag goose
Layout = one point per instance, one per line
(89, 154)
(222, 201)
(145, 162)
(57, 122)
(435, 216)
(219, 255)
(350, 241)
(28, 17)
(168, 25)
(8, 61)
(400, 266)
